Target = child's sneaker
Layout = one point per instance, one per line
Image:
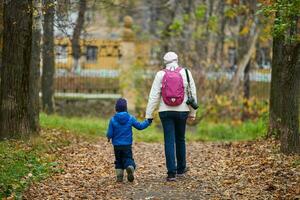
(171, 177)
(130, 173)
(120, 174)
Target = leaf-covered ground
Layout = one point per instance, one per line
(244, 170)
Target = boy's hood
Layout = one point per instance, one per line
(122, 117)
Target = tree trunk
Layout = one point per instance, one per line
(246, 90)
(290, 140)
(34, 87)
(219, 46)
(1, 32)
(284, 107)
(246, 42)
(244, 62)
(48, 57)
(15, 117)
(275, 94)
(76, 52)
(167, 17)
(208, 34)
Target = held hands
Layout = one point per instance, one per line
(150, 120)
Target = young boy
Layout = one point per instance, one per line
(120, 131)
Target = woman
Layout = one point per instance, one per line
(173, 116)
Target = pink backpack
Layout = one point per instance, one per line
(172, 87)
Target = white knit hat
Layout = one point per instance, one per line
(170, 57)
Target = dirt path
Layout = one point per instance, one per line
(252, 170)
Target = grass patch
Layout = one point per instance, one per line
(296, 163)
(24, 162)
(227, 132)
(205, 131)
(88, 126)
(18, 169)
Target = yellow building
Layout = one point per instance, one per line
(96, 54)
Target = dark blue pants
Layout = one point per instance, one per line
(174, 124)
(123, 156)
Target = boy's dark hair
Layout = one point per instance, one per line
(121, 105)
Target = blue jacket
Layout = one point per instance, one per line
(120, 128)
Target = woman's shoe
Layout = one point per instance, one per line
(130, 173)
(171, 177)
(181, 174)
